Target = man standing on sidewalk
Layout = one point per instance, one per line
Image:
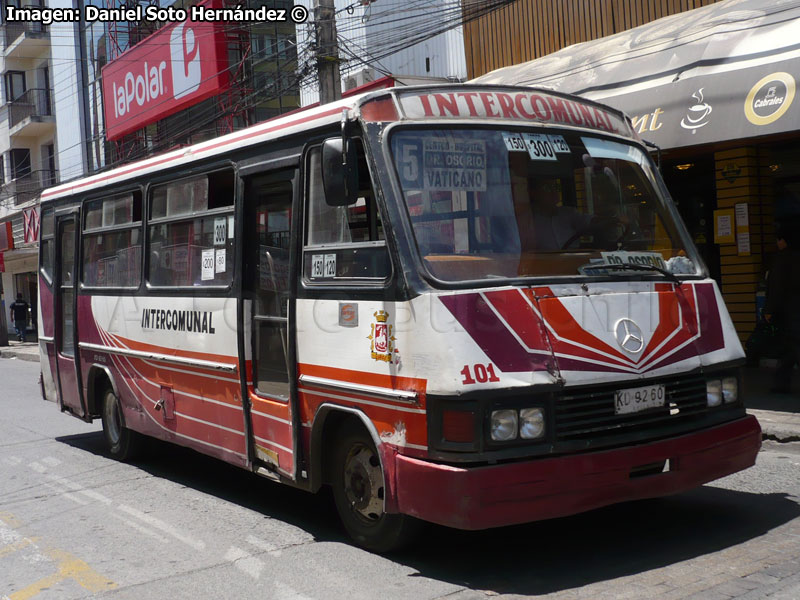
(783, 300)
(19, 314)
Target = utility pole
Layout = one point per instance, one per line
(330, 83)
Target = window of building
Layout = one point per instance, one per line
(190, 233)
(15, 85)
(343, 242)
(20, 159)
(112, 241)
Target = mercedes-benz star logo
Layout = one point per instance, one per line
(629, 336)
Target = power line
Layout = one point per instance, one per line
(398, 27)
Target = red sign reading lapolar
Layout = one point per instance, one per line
(174, 68)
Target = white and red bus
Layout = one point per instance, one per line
(470, 305)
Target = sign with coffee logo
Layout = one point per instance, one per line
(769, 99)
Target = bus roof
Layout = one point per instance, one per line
(447, 101)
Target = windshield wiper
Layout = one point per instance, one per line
(631, 267)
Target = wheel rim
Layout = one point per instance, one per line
(112, 418)
(363, 483)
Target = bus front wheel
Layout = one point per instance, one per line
(122, 443)
(358, 490)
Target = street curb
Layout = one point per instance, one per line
(20, 356)
(778, 426)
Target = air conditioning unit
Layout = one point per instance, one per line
(359, 78)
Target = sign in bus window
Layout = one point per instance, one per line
(344, 242)
(186, 246)
(183, 254)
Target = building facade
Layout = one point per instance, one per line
(713, 87)
(27, 153)
(54, 74)
(86, 77)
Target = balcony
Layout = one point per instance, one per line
(31, 114)
(25, 39)
(29, 185)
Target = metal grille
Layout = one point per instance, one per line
(590, 412)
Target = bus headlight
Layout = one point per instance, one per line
(730, 390)
(504, 425)
(714, 392)
(531, 423)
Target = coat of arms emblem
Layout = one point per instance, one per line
(381, 336)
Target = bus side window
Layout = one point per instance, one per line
(112, 241)
(190, 232)
(343, 242)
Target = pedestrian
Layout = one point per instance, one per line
(783, 297)
(19, 314)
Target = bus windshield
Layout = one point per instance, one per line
(488, 204)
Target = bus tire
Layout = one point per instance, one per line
(122, 443)
(358, 491)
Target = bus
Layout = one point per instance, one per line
(469, 305)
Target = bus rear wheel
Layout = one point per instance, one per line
(122, 443)
(359, 490)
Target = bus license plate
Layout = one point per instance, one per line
(637, 399)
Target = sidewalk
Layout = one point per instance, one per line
(28, 350)
(779, 414)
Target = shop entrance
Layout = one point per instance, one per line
(25, 284)
(692, 184)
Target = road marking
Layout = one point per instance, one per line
(13, 547)
(66, 494)
(10, 520)
(141, 529)
(285, 592)
(244, 561)
(163, 526)
(69, 567)
(96, 496)
(269, 547)
(75, 487)
(51, 461)
(37, 467)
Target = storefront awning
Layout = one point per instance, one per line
(726, 71)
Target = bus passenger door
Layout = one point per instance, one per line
(65, 317)
(267, 251)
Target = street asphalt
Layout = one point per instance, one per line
(779, 414)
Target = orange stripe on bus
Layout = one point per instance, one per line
(392, 382)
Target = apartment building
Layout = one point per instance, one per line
(27, 152)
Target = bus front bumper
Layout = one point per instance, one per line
(545, 488)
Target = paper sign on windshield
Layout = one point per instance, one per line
(453, 164)
(621, 257)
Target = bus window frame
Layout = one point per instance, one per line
(295, 234)
(418, 262)
(109, 193)
(234, 209)
(373, 284)
(49, 278)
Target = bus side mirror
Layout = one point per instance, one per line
(339, 172)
